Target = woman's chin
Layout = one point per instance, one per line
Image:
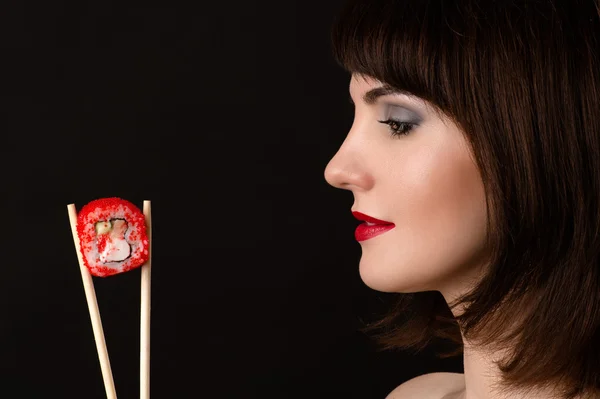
(391, 280)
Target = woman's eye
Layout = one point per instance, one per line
(398, 128)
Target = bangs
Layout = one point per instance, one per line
(413, 46)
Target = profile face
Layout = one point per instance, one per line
(424, 184)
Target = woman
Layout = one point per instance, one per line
(474, 162)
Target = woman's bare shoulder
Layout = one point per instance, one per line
(430, 386)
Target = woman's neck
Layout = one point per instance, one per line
(482, 377)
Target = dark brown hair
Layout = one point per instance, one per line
(522, 80)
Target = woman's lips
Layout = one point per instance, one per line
(371, 228)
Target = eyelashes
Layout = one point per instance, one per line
(398, 128)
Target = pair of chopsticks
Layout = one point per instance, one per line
(90, 295)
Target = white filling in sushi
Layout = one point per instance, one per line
(112, 234)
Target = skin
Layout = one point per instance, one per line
(426, 183)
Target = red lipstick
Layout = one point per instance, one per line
(371, 228)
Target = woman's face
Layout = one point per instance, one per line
(425, 184)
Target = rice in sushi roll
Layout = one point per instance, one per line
(112, 235)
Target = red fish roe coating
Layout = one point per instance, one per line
(95, 246)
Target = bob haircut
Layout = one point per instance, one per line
(522, 81)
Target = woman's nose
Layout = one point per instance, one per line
(346, 171)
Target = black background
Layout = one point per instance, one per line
(224, 115)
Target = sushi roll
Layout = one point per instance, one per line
(112, 236)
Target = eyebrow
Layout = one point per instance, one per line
(372, 95)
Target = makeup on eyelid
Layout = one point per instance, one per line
(403, 114)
